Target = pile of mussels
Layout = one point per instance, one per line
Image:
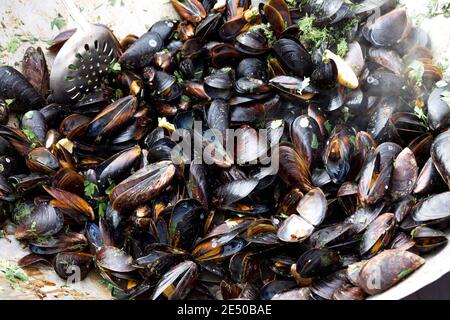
(361, 190)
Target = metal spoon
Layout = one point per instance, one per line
(82, 63)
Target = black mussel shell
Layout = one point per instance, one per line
(13, 85)
(73, 264)
(427, 239)
(317, 262)
(432, 208)
(164, 28)
(294, 57)
(440, 153)
(140, 53)
(44, 221)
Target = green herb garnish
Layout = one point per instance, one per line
(268, 33)
(115, 67)
(13, 273)
(417, 71)
(13, 45)
(89, 188)
(314, 142)
(58, 22)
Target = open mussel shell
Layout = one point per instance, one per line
(44, 221)
(317, 262)
(313, 206)
(427, 239)
(388, 59)
(429, 180)
(43, 161)
(114, 259)
(294, 229)
(190, 10)
(432, 208)
(62, 242)
(293, 88)
(390, 29)
(142, 186)
(140, 54)
(178, 281)
(67, 263)
(377, 235)
(386, 269)
(440, 153)
(113, 118)
(345, 74)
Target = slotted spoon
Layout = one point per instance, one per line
(82, 63)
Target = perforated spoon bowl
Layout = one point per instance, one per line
(82, 63)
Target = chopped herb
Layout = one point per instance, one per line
(353, 140)
(59, 22)
(13, 45)
(314, 142)
(9, 101)
(404, 273)
(292, 3)
(90, 188)
(328, 126)
(342, 48)
(420, 113)
(101, 209)
(115, 67)
(2, 234)
(185, 98)
(22, 211)
(110, 188)
(417, 71)
(445, 96)
(179, 77)
(29, 134)
(347, 114)
(310, 34)
(13, 273)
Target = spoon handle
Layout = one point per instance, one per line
(76, 14)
